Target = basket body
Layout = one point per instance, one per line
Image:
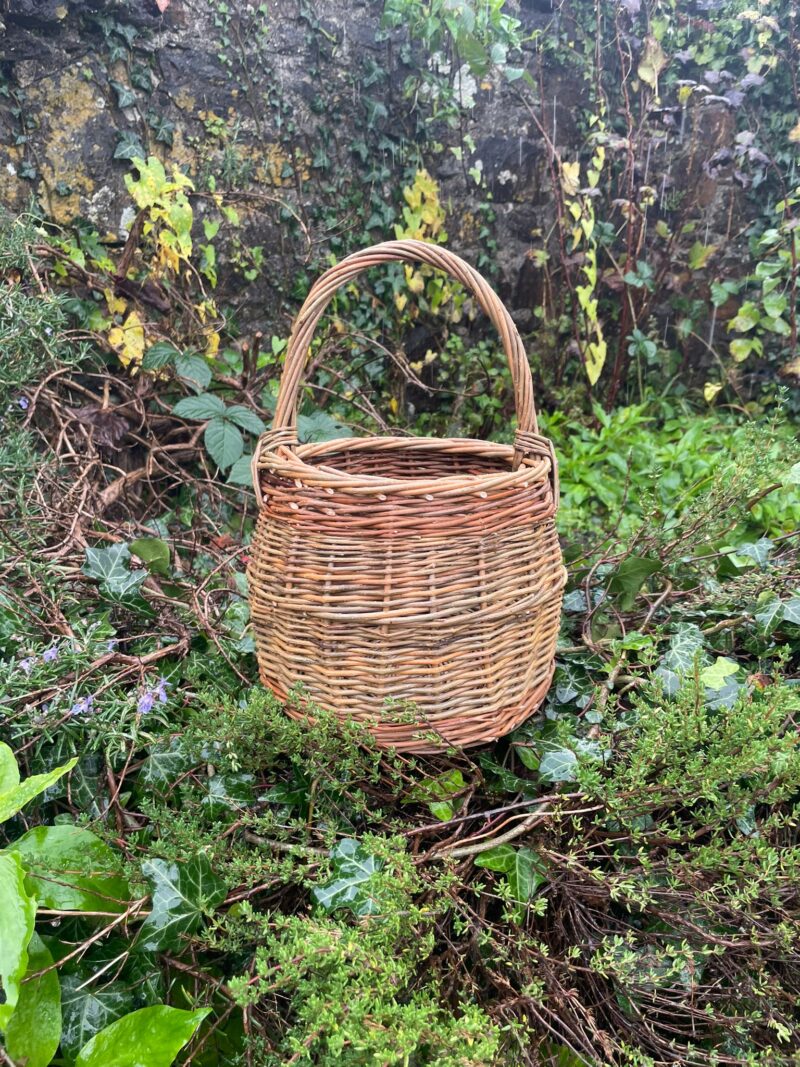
(409, 583)
(428, 611)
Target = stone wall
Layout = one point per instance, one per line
(300, 105)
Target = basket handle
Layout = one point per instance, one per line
(409, 251)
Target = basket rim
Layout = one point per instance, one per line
(290, 464)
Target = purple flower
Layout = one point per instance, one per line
(27, 664)
(50, 654)
(23, 402)
(160, 690)
(112, 645)
(146, 703)
(82, 706)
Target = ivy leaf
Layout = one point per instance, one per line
(791, 610)
(244, 417)
(192, 368)
(684, 645)
(182, 895)
(226, 793)
(85, 1010)
(15, 798)
(154, 552)
(202, 407)
(436, 793)
(109, 566)
(163, 129)
(240, 473)
(33, 1032)
(717, 674)
(16, 927)
(558, 765)
(224, 442)
(125, 95)
(71, 869)
(152, 1036)
(769, 611)
(165, 763)
(354, 869)
(757, 550)
(128, 146)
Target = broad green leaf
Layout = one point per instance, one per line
(699, 255)
(224, 442)
(774, 304)
(747, 317)
(630, 576)
(241, 473)
(354, 869)
(88, 1007)
(741, 348)
(154, 552)
(684, 646)
(558, 765)
(72, 869)
(17, 797)
(182, 895)
(717, 674)
(226, 793)
(110, 567)
(33, 1032)
(202, 407)
(793, 477)
(244, 417)
(9, 771)
(194, 369)
(159, 355)
(149, 1037)
(522, 867)
(17, 914)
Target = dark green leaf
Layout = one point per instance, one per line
(522, 867)
(241, 473)
(34, 1030)
(224, 442)
(159, 355)
(182, 895)
(128, 146)
(125, 95)
(320, 427)
(87, 1007)
(354, 869)
(202, 407)
(193, 369)
(558, 765)
(244, 417)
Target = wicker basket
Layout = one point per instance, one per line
(413, 584)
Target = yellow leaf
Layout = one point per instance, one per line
(128, 340)
(710, 390)
(684, 92)
(595, 358)
(570, 178)
(794, 133)
(393, 405)
(212, 343)
(400, 301)
(414, 280)
(652, 62)
(116, 305)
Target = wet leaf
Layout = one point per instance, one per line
(149, 1037)
(88, 1007)
(16, 927)
(33, 1032)
(183, 894)
(349, 888)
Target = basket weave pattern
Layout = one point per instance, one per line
(413, 584)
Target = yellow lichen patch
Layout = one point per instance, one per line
(71, 103)
(184, 100)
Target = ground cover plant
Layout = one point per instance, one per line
(189, 876)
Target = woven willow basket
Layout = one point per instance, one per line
(413, 584)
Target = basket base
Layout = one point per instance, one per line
(396, 736)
